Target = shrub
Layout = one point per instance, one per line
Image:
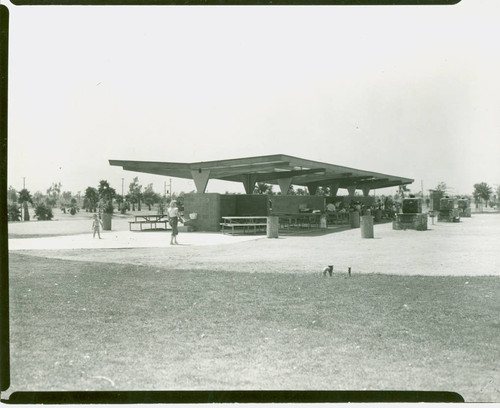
(124, 207)
(14, 212)
(43, 212)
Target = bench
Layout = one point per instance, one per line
(243, 224)
(298, 220)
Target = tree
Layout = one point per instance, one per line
(12, 195)
(38, 197)
(92, 198)
(263, 188)
(119, 200)
(482, 191)
(65, 200)
(13, 212)
(441, 187)
(54, 191)
(24, 199)
(135, 193)
(150, 197)
(73, 208)
(106, 194)
(105, 191)
(43, 212)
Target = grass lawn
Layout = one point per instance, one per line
(98, 326)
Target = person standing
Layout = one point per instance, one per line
(173, 220)
(97, 223)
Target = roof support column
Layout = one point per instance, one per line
(351, 190)
(312, 188)
(249, 181)
(366, 191)
(334, 188)
(285, 184)
(200, 178)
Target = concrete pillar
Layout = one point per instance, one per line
(249, 183)
(351, 190)
(366, 192)
(272, 226)
(366, 226)
(354, 219)
(334, 188)
(200, 177)
(285, 184)
(312, 189)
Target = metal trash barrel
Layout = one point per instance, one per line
(323, 223)
(354, 219)
(272, 226)
(366, 226)
(106, 222)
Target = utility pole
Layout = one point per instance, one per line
(24, 183)
(170, 189)
(122, 186)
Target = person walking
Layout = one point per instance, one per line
(96, 226)
(173, 220)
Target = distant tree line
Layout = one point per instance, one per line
(103, 198)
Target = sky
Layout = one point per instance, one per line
(412, 91)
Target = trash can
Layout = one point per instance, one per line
(366, 226)
(106, 222)
(323, 221)
(354, 219)
(272, 226)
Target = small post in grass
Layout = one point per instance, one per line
(349, 271)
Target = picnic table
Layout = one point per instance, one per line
(244, 223)
(298, 220)
(149, 219)
(338, 217)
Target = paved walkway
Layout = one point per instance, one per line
(468, 248)
(126, 239)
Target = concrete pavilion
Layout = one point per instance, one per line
(278, 169)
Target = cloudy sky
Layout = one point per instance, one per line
(408, 91)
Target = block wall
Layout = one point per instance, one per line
(228, 205)
(208, 208)
(292, 204)
(252, 204)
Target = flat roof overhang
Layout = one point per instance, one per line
(279, 169)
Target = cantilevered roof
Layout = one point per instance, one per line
(277, 169)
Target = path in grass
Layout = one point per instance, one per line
(91, 326)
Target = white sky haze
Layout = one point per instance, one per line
(402, 90)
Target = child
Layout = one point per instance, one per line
(95, 226)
